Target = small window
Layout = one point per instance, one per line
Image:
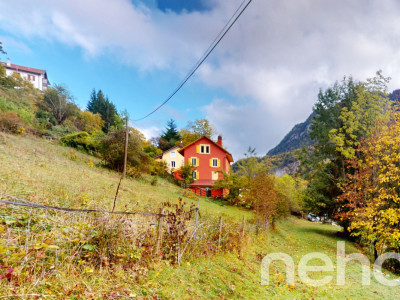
(214, 175)
(194, 175)
(215, 162)
(205, 149)
(173, 165)
(173, 154)
(194, 161)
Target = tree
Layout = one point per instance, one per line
(202, 127)
(169, 137)
(59, 102)
(112, 150)
(251, 165)
(344, 114)
(99, 104)
(263, 195)
(2, 49)
(370, 199)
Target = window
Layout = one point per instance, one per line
(215, 162)
(173, 164)
(173, 154)
(204, 149)
(194, 175)
(214, 175)
(194, 161)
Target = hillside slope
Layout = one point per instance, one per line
(42, 172)
(298, 137)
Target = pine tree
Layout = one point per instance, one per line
(169, 137)
(98, 104)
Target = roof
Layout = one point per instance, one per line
(22, 68)
(204, 182)
(230, 158)
(172, 148)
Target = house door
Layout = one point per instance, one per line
(208, 192)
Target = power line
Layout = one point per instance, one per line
(213, 45)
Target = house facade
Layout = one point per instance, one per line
(207, 159)
(37, 77)
(172, 157)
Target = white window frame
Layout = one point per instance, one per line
(173, 164)
(204, 149)
(194, 174)
(195, 160)
(173, 154)
(216, 162)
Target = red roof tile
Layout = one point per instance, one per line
(22, 68)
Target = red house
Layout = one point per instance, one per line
(207, 158)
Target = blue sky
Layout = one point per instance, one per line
(261, 80)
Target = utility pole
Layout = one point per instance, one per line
(126, 147)
(125, 161)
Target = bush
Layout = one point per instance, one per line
(112, 148)
(81, 141)
(10, 122)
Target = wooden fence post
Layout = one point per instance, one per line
(159, 232)
(220, 232)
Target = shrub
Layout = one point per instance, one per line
(10, 122)
(80, 140)
(112, 150)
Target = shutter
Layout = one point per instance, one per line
(198, 149)
(190, 161)
(211, 160)
(197, 175)
(218, 162)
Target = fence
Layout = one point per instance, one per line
(44, 240)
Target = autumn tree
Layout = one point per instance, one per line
(370, 199)
(344, 114)
(264, 197)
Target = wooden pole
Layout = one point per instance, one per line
(126, 147)
(220, 232)
(159, 233)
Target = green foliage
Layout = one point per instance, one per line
(99, 104)
(81, 141)
(87, 121)
(59, 102)
(112, 150)
(203, 127)
(235, 184)
(186, 172)
(170, 137)
(292, 189)
(344, 114)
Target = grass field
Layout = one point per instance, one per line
(41, 172)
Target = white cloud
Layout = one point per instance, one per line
(272, 62)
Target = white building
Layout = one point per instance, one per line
(37, 77)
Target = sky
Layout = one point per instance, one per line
(261, 80)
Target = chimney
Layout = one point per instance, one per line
(219, 140)
(8, 62)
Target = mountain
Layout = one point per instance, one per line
(298, 137)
